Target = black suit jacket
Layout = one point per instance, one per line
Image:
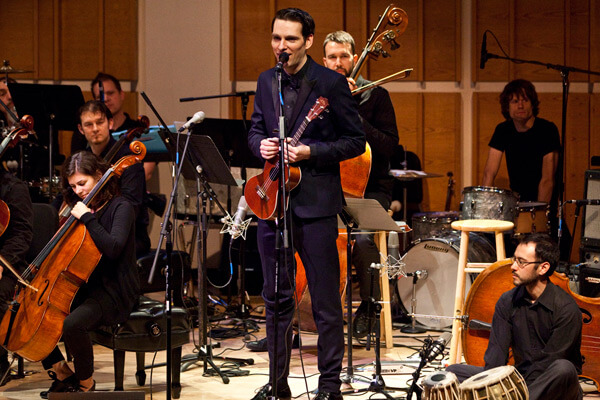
(336, 136)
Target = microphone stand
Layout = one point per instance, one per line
(242, 311)
(281, 232)
(564, 73)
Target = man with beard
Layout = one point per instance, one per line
(540, 322)
(378, 120)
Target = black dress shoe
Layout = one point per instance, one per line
(66, 385)
(329, 396)
(257, 345)
(362, 320)
(267, 390)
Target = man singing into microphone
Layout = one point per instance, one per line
(314, 204)
(540, 322)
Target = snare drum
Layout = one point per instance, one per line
(435, 291)
(532, 217)
(483, 202)
(432, 224)
(441, 385)
(503, 382)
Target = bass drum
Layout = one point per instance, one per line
(439, 257)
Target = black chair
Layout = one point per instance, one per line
(145, 331)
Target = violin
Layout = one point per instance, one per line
(33, 324)
(20, 133)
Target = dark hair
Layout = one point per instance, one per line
(95, 106)
(87, 163)
(546, 250)
(105, 77)
(296, 15)
(341, 37)
(7, 80)
(519, 87)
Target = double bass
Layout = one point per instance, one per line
(32, 326)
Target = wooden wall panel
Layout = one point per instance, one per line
(252, 35)
(409, 111)
(80, 30)
(539, 35)
(594, 125)
(441, 21)
(442, 147)
(46, 66)
(595, 38)
(577, 37)
(120, 38)
(17, 43)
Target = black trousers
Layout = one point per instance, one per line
(314, 240)
(85, 317)
(558, 382)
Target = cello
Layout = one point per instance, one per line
(32, 326)
(481, 301)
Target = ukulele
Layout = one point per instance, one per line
(262, 190)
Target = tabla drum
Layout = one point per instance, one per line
(500, 383)
(441, 385)
(484, 202)
(532, 217)
(432, 224)
(435, 292)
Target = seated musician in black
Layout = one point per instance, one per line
(14, 244)
(95, 122)
(113, 288)
(540, 322)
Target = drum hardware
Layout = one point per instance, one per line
(416, 275)
(440, 255)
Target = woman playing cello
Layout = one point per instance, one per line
(113, 288)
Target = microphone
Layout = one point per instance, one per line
(438, 346)
(484, 53)
(236, 226)
(238, 220)
(588, 202)
(101, 91)
(283, 58)
(196, 119)
(393, 248)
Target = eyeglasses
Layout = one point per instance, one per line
(522, 263)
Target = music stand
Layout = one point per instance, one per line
(364, 214)
(52, 106)
(206, 165)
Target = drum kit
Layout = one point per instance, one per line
(434, 250)
(500, 383)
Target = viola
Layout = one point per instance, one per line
(33, 324)
(4, 217)
(262, 190)
(481, 301)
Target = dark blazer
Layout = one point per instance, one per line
(337, 136)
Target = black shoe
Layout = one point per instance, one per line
(267, 390)
(362, 320)
(329, 396)
(60, 386)
(257, 345)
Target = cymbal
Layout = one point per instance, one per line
(6, 68)
(410, 174)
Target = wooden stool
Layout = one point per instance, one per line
(467, 226)
(384, 288)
